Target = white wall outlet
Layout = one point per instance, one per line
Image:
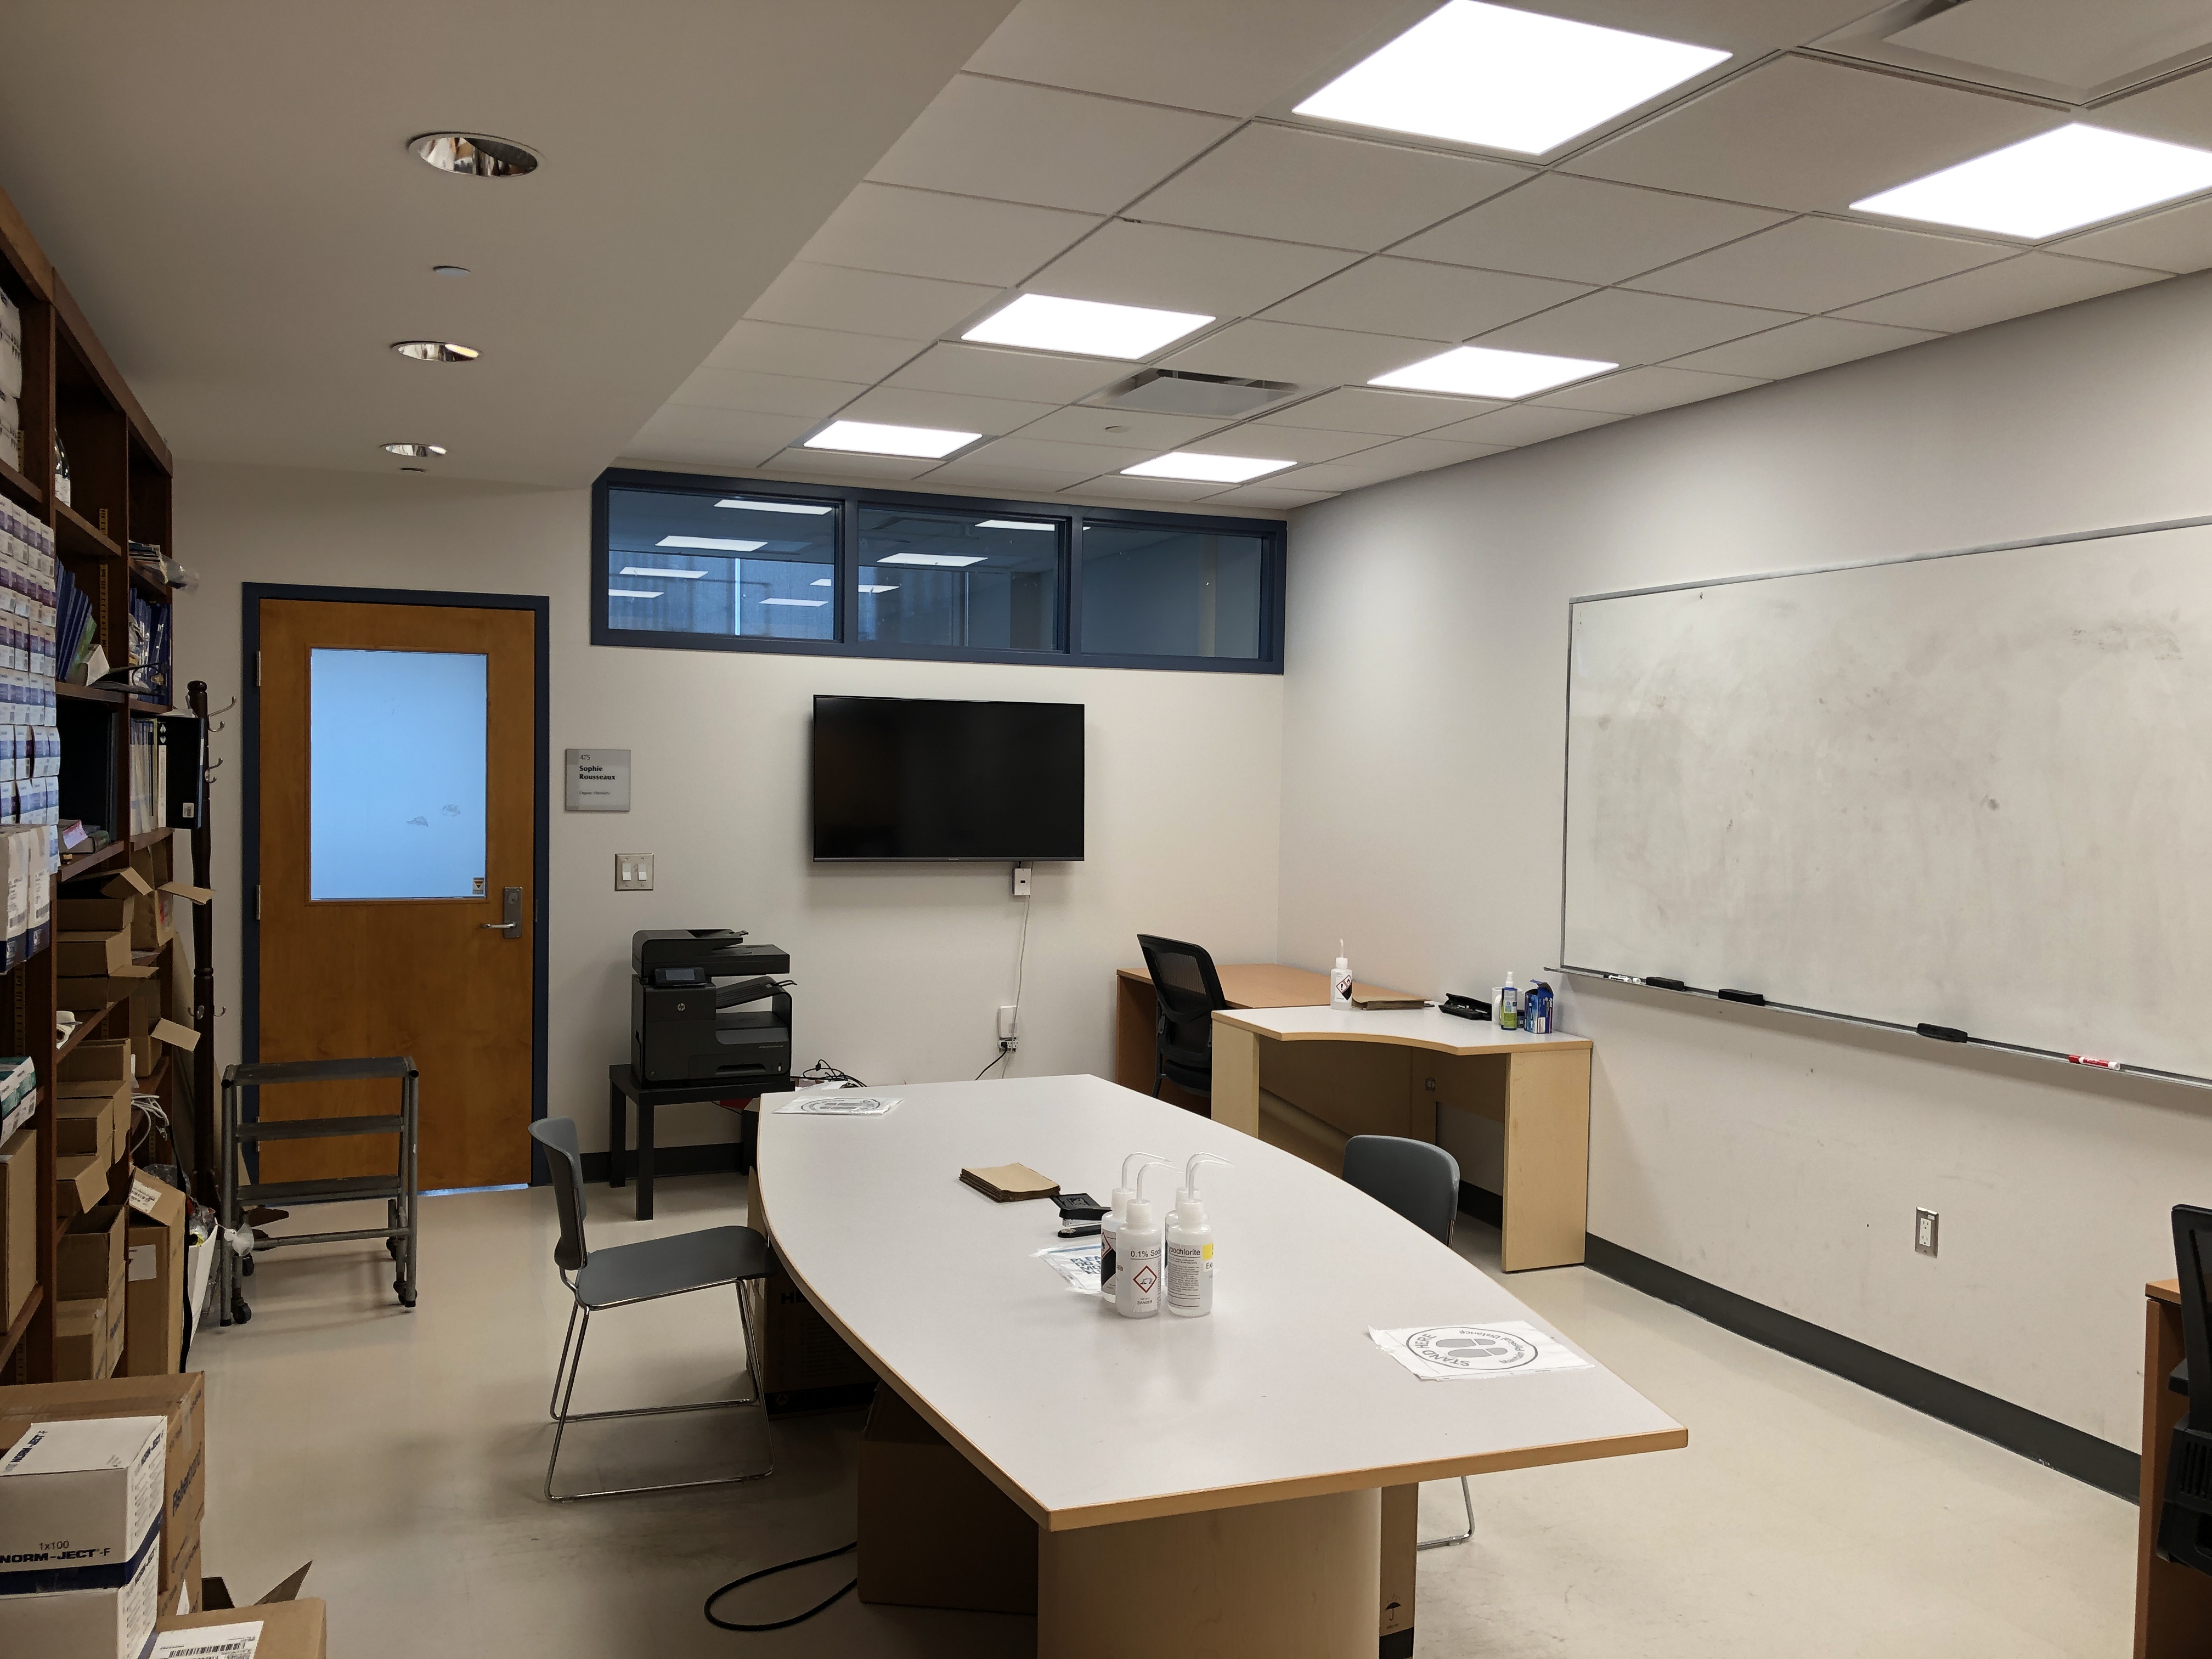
(1021, 881)
(1009, 1024)
(633, 873)
(1923, 1232)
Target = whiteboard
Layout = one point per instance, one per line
(1974, 790)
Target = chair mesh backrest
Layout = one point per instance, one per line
(2192, 1260)
(1418, 1180)
(565, 1165)
(1189, 991)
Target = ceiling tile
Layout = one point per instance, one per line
(1527, 423)
(1817, 136)
(768, 394)
(1285, 443)
(985, 372)
(1301, 186)
(1132, 429)
(1176, 269)
(1040, 145)
(810, 353)
(1640, 391)
(2180, 111)
(916, 233)
(1261, 495)
(1292, 351)
(1585, 230)
(1042, 455)
(2033, 282)
(1800, 347)
(949, 410)
(1740, 25)
(682, 432)
(1820, 264)
(832, 464)
(1009, 480)
(1428, 301)
(1359, 409)
(1628, 328)
(2179, 239)
(868, 301)
(1150, 489)
(1391, 460)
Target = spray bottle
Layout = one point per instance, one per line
(1139, 1255)
(1110, 1224)
(1508, 1004)
(1340, 980)
(1190, 1247)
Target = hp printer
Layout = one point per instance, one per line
(707, 1007)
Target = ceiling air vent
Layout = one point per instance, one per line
(1175, 391)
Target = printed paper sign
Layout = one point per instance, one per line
(598, 779)
(208, 1642)
(1453, 1354)
(838, 1106)
(144, 1198)
(1077, 1264)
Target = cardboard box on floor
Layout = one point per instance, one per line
(934, 1531)
(183, 1401)
(289, 1630)
(154, 1291)
(19, 1221)
(805, 1365)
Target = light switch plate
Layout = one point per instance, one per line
(633, 873)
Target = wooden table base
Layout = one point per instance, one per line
(2173, 1604)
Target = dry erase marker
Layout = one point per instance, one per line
(2091, 1060)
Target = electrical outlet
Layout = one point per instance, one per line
(1923, 1232)
(1009, 1025)
(633, 873)
(1021, 881)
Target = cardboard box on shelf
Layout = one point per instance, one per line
(97, 1059)
(95, 915)
(289, 1630)
(79, 954)
(18, 1222)
(90, 993)
(91, 1255)
(154, 1319)
(80, 1337)
(117, 1324)
(934, 1531)
(87, 1620)
(92, 1124)
(80, 1183)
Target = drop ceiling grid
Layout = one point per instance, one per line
(1824, 287)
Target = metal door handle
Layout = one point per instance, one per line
(513, 925)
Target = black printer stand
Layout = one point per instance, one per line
(624, 1090)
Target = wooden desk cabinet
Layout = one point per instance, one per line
(2174, 1605)
(1246, 984)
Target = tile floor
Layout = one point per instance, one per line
(402, 1452)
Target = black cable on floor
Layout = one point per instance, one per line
(783, 1566)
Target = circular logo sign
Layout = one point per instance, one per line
(1471, 1348)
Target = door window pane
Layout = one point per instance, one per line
(751, 568)
(982, 580)
(1170, 592)
(396, 775)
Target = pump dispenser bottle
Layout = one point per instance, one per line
(1340, 980)
(1139, 1252)
(1110, 1224)
(1190, 1247)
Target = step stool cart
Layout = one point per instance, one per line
(398, 1189)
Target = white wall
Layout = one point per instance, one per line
(900, 969)
(1778, 1158)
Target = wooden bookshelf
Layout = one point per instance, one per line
(75, 400)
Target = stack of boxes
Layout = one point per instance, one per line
(82, 1503)
(11, 383)
(30, 745)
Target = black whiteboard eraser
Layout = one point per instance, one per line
(1751, 997)
(1665, 984)
(1942, 1033)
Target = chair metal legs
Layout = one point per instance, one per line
(1467, 1498)
(572, 1362)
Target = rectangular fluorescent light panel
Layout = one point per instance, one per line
(810, 604)
(713, 544)
(1203, 469)
(2058, 180)
(1014, 524)
(1487, 372)
(890, 588)
(632, 593)
(873, 438)
(1089, 326)
(774, 506)
(1506, 80)
(953, 559)
(646, 570)
(821, 581)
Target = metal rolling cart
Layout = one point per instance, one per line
(398, 1189)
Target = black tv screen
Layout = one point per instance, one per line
(939, 780)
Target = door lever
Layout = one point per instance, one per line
(513, 925)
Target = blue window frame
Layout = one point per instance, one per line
(692, 563)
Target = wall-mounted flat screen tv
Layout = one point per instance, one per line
(936, 780)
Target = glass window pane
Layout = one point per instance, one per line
(396, 775)
(733, 565)
(1166, 592)
(984, 579)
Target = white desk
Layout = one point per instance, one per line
(1233, 1464)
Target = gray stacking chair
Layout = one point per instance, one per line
(1421, 1183)
(626, 1274)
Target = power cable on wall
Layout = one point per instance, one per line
(1021, 977)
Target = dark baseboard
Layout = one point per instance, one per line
(718, 1158)
(2070, 1451)
(1398, 1644)
(1481, 1203)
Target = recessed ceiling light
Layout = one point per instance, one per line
(449, 271)
(1089, 326)
(632, 593)
(2057, 180)
(1506, 80)
(1486, 372)
(773, 507)
(1019, 523)
(474, 155)
(1205, 468)
(821, 581)
(715, 543)
(867, 588)
(873, 438)
(678, 575)
(955, 559)
(415, 449)
(809, 605)
(437, 351)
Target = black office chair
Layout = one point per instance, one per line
(1421, 1183)
(2185, 1521)
(627, 1273)
(1188, 991)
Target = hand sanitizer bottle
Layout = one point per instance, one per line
(1139, 1256)
(1190, 1247)
(1340, 980)
(1508, 1005)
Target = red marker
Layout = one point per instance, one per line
(2091, 1060)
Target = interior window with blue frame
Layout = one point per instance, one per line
(952, 579)
(733, 566)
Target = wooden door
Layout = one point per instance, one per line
(379, 934)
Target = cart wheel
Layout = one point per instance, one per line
(245, 1266)
(239, 1313)
(406, 1292)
